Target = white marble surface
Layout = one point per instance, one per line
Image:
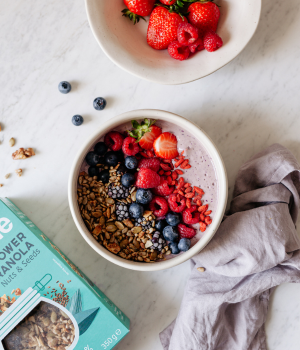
(247, 105)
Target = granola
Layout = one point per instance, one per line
(23, 153)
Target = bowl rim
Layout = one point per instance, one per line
(197, 132)
(148, 77)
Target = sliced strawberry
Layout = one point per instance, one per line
(147, 140)
(165, 146)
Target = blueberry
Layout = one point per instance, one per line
(101, 161)
(122, 169)
(136, 210)
(171, 233)
(111, 158)
(64, 87)
(174, 248)
(143, 196)
(92, 158)
(131, 162)
(99, 103)
(160, 225)
(184, 244)
(127, 180)
(77, 120)
(120, 156)
(173, 219)
(93, 171)
(100, 148)
(104, 176)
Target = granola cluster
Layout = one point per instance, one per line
(23, 153)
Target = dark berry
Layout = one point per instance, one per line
(127, 180)
(101, 161)
(99, 103)
(92, 158)
(173, 219)
(117, 191)
(120, 156)
(111, 158)
(171, 233)
(160, 225)
(104, 176)
(131, 162)
(64, 87)
(100, 148)
(121, 169)
(122, 211)
(184, 244)
(77, 120)
(158, 241)
(93, 171)
(143, 196)
(136, 210)
(174, 248)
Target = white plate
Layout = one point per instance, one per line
(126, 45)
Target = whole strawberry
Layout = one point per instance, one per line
(168, 2)
(204, 15)
(137, 9)
(162, 29)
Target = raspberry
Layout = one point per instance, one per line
(130, 146)
(186, 232)
(197, 45)
(149, 163)
(190, 216)
(114, 140)
(212, 41)
(147, 178)
(187, 34)
(163, 189)
(178, 51)
(159, 206)
(175, 205)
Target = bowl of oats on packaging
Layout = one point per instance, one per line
(148, 190)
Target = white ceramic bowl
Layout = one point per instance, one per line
(126, 45)
(220, 174)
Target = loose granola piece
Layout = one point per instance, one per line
(12, 142)
(19, 172)
(7, 176)
(23, 153)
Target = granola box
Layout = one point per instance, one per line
(46, 302)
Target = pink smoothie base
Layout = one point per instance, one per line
(202, 172)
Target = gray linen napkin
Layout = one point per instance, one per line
(255, 249)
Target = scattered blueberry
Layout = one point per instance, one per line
(174, 248)
(160, 225)
(100, 148)
(131, 162)
(171, 233)
(64, 87)
(122, 169)
(99, 103)
(184, 244)
(173, 219)
(77, 120)
(143, 196)
(127, 180)
(111, 158)
(104, 176)
(92, 158)
(93, 171)
(136, 210)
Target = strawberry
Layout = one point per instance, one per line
(168, 2)
(137, 9)
(145, 133)
(147, 178)
(204, 15)
(162, 28)
(147, 140)
(165, 146)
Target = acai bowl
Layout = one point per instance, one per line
(148, 190)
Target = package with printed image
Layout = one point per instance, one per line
(46, 302)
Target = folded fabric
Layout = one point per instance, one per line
(255, 249)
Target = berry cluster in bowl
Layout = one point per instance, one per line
(181, 26)
(134, 198)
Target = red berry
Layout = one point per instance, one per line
(178, 51)
(212, 41)
(187, 34)
(175, 205)
(159, 206)
(186, 232)
(147, 140)
(113, 140)
(202, 226)
(204, 16)
(130, 146)
(168, 2)
(163, 189)
(149, 163)
(165, 146)
(190, 215)
(140, 7)
(147, 178)
(197, 45)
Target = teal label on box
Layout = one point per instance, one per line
(40, 286)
